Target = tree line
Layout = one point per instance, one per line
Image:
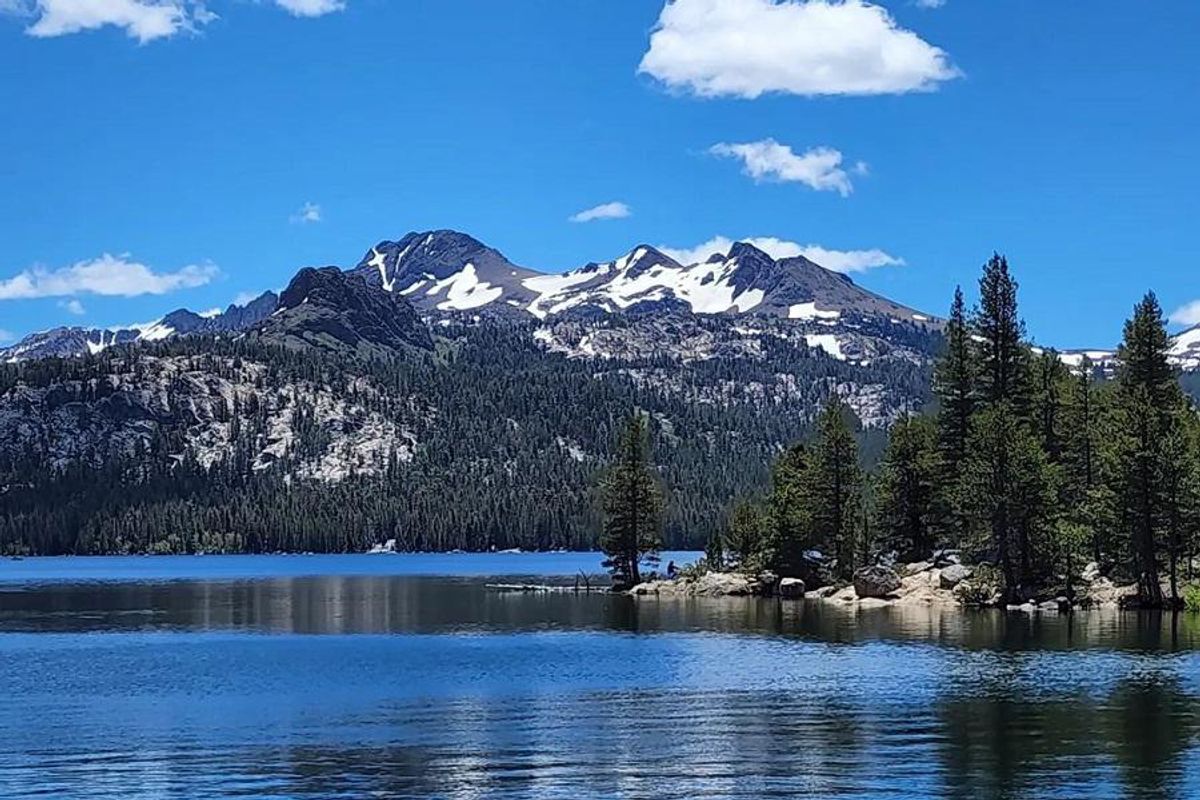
(1021, 463)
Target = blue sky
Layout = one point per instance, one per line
(210, 151)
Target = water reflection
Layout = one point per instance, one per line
(434, 687)
(395, 604)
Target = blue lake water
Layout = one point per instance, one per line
(405, 676)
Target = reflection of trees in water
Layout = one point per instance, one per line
(1151, 723)
(392, 604)
(1001, 744)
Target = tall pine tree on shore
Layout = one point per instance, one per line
(954, 389)
(632, 506)
(908, 478)
(836, 485)
(1149, 403)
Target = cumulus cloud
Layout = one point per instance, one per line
(819, 168)
(614, 210)
(1188, 314)
(308, 213)
(109, 276)
(311, 8)
(144, 20)
(72, 306)
(745, 48)
(836, 260)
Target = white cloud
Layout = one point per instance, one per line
(836, 260)
(745, 48)
(72, 306)
(929, 3)
(1188, 314)
(6, 336)
(110, 276)
(613, 210)
(311, 8)
(819, 168)
(144, 20)
(309, 212)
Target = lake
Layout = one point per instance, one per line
(403, 676)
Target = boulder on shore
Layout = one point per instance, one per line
(953, 575)
(791, 589)
(875, 581)
(710, 584)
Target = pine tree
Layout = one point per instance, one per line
(1010, 490)
(1048, 403)
(954, 388)
(907, 483)
(632, 506)
(748, 528)
(835, 484)
(1003, 355)
(788, 518)
(1149, 402)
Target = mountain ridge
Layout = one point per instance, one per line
(448, 275)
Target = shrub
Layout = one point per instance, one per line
(1191, 597)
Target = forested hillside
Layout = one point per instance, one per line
(215, 444)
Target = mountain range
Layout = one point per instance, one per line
(449, 275)
(438, 394)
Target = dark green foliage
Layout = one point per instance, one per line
(1051, 385)
(1002, 353)
(835, 486)
(748, 526)
(954, 387)
(632, 506)
(908, 481)
(1032, 469)
(814, 506)
(1149, 446)
(1010, 497)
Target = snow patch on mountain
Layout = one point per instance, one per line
(827, 342)
(464, 290)
(1185, 349)
(809, 311)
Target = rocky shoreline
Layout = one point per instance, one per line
(920, 583)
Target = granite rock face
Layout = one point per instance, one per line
(876, 581)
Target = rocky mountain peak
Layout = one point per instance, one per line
(328, 309)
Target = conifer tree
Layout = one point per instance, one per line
(1003, 355)
(1009, 490)
(748, 528)
(954, 388)
(953, 385)
(1048, 403)
(908, 479)
(835, 485)
(788, 523)
(1149, 402)
(632, 506)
